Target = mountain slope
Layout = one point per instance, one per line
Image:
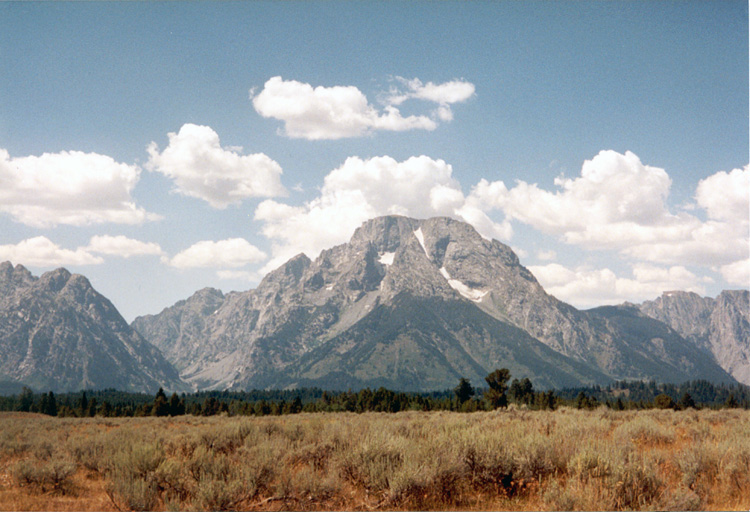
(473, 307)
(719, 327)
(58, 333)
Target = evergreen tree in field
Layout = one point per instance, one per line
(43, 403)
(160, 407)
(687, 402)
(83, 405)
(106, 409)
(463, 391)
(664, 401)
(582, 401)
(91, 412)
(521, 391)
(296, 406)
(498, 383)
(25, 400)
(545, 400)
(619, 406)
(731, 402)
(176, 405)
(51, 404)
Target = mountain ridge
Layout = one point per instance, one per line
(255, 338)
(719, 327)
(58, 333)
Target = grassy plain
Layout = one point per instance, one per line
(511, 459)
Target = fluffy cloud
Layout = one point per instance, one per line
(737, 273)
(455, 91)
(337, 112)
(123, 246)
(613, 189)
(239, 275)
(40, 251)
(70, 187)
(546, 255)
(230, 253)
(619, 203)
(200, 167)
(360, 190)
(726, 196)
(585, 287)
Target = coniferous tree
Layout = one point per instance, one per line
(91, 412)
(83, 405)
(51, 404)
(25, 400)
(687, 402)
(464, 391)
(176, 405)
(521, 391)
(731, 402)
(664, 401)
(498, 383)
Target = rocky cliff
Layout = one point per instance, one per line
(720, 326)
(57, 333)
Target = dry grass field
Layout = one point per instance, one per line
(503, 460)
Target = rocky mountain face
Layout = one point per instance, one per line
(720, 327)
(411, 304)
(57, 333)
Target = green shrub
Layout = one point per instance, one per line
(54, 476)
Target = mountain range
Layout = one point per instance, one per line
(58, 333)
(407, 304)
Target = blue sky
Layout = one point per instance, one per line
(606, 142)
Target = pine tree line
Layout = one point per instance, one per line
(464, 397)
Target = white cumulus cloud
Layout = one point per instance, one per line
(726, 196)
(586, 287)
(337, 112)
(70, 187)
(230, 253)
(40, 251)
(737, 273)
(362, 189)
(122, 246)
(619, 203)
(239, 275)
(445, 94)
(200, 167)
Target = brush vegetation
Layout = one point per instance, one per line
(513, 458)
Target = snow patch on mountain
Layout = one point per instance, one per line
(386, 258)
(466, 291)
(420, 236)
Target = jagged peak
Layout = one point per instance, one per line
(292, 269)
(208, 292)
(734, 293)
(18, 273)
(55, 280)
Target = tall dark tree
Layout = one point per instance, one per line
(731, 402)
(161, 406)
(176, 405)
(664, 401)
(51, 404)
(25, 400)
(498, 383)
(687, 402)
(464, 391)
(91, 412)
(83, 405)
(521, 391)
